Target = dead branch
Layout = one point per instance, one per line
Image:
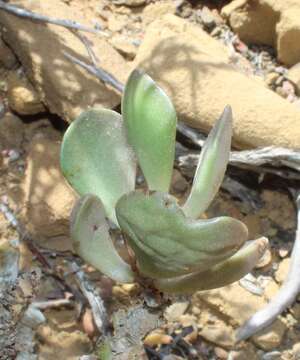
(100, 74)
(90, 292)
(254, 160)
(17, 11)
(43, 305)
(284, 298)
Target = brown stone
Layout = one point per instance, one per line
(22, 97)
(48, 197)
(271, 22)
(64, 87)
(195, 70)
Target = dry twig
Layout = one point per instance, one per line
(284, 298)
(15, 10)
(94, 299)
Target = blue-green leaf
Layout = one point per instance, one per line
(150, 120)
(96, 158)
(211, 167)
(91, 239)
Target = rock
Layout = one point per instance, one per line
(271, 77)
(296, 351)
(271, 290)
(22, 97)
(62, 344)
(207, 18)
(157, 337)
(282, 271)
(271, 337)
(237, 305)
(157, 10)
(130, 3)
(7, 57)
(126, 48)
(270, 22)
(174, 311)
(245, 352)
(294, 76)
(219, 334)
(11, 132)
(265, 260)
(117, 22)
(288, 32)
(221, 353)
(64, 87)
(48, 197)
(194, 69)
(288, 88)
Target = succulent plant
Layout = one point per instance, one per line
(175, 250)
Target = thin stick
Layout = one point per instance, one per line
(98, 72)
(43, 305)
(94, 299)
(284, 298)
(15, 10)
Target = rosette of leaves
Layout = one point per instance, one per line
(174, 249)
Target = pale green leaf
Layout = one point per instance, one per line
(221, 274)
(92, 242)
(150, 119)
(96, 158)
(211, 167)
(167, 243)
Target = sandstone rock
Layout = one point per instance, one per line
(7, 57)
(271, 337)
(271, 22)
(288, 33)
(11, 132)
(237, 305)
(195, 71)
(296, 350)
(48, 197)
(294, 76)
(64, 87)
(245, 352)
(282, 271)
(62, 344)
(130, 3)
(174, 311)
(124, 46)
(22, 97)
(157, 10)
(221, 335)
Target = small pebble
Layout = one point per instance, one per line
(157, 337)
(88, 323)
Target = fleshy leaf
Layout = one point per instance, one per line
(150, 120)
(96, 158)
(221, 274)
(211, 167)
(167, 243)
(91, 239)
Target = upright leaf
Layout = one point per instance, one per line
(211, 167)
(90, 235)
(150, 120)
(96, 158)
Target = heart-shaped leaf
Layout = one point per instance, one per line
(96, 158)
(151, 125)
(211, 167)
(221, 274)
(91, 239)
(166, 243)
